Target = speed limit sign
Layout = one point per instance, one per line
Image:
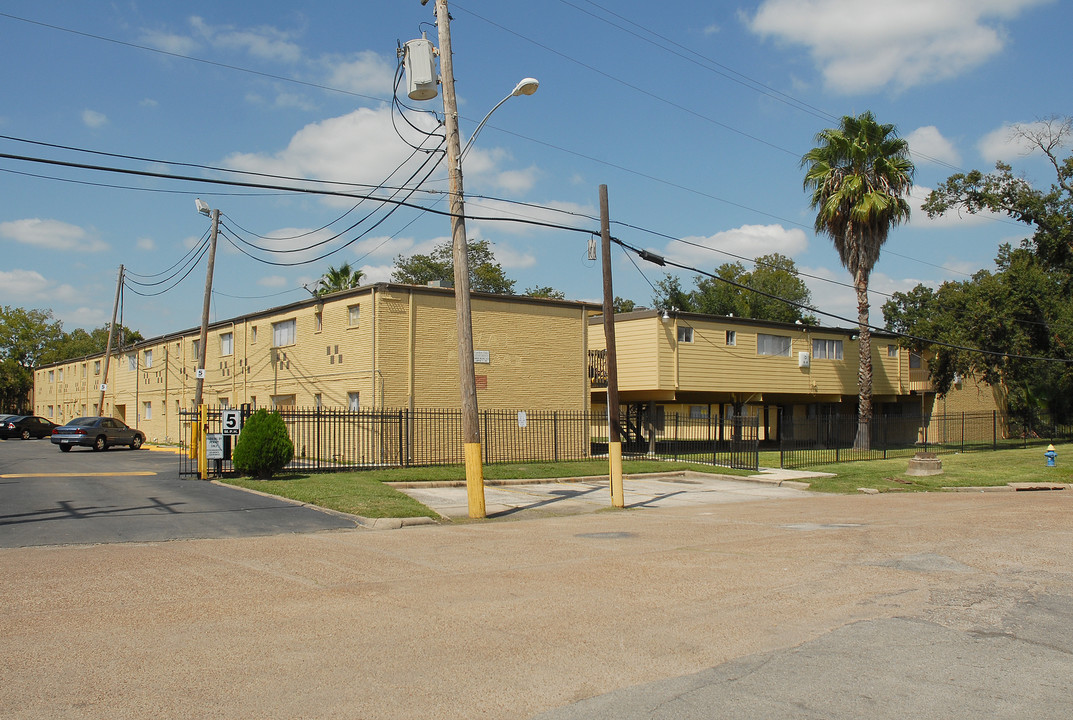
(231, 421)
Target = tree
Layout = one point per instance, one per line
(79, 343)
(341, 278)
(761, 294)
(263, 447)
(26, 338)
(622, 305)
(858, 176)
(545, 291)
(485, 274)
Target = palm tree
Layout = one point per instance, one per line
(341, 278)
(858, 176)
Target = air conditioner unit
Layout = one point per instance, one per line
(803, 359)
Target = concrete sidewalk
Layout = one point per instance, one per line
(573, 496)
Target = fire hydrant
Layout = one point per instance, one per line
(1051, 456)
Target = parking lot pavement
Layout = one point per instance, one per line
(552, 498)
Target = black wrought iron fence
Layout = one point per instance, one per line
(826, 440)
(327, 439)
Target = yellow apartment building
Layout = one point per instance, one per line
(702, 366)
(378, 346)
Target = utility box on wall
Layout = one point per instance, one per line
(803, 359)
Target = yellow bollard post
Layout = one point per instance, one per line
(614, 452)
(202, 427)
(475, 480)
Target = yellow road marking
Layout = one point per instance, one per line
(42, 475)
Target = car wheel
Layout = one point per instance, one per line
(25, 434)
(100, 443)
(136, 442)
(65, 448)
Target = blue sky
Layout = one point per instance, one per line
(694, 114)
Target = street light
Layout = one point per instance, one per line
(471, 430)
(527, 86)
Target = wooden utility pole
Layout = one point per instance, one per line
(108, 345)
(614, 445)
(471, 429)
(202, 343)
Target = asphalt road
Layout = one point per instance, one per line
(122, 495)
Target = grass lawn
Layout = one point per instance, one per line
(985, 468)
(366, 493)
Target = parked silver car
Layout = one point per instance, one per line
(99, 433)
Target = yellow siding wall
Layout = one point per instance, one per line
(537, 353)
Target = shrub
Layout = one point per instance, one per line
(263, 447)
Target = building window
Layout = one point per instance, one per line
(132, 362)
(227, 343)
(283, 333)
(914, 361)
(732, 337)
(772, 345)
(147, 410)
(698, 412)
(52, 376)
(196, 348)
(353, 401)
(50, 410)
(96, 367)
(84, 369)
(892, 351)
(283, 401)
(316, 401)
(319, 317)
(827, 349)
(224, 403)
(353, 315)
(253, 334)
(685, 334)
(148, 355)
(59, 374)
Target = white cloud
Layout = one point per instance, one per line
(169, 42)
(51, 235)
(149, 103)
(29, 286)
(94, 119)
(555, 213)
(512, 258)
(376, 273)
(1008, 142)
(364, 72)
(928, 146)
(862, 46)
(360, 147)
(263, 42)
(749, 241)
(274, 281)
(146, 243)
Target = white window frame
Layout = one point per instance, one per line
(892, 351)
(826, 349)
(132, 362)
(685, 334)
(283, 333)
(147, 356)
(227, 344)
(731, 338)
(147, 410)
(353, 315)
(96, 367)
(253, 335)
(353, 401)
(773, 345)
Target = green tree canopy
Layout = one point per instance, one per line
(339, 278)
(486, 274)
(545, 291)
(759, 294)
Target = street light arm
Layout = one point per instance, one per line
(528, 86)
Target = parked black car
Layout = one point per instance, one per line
(99, 433)
(25, 427)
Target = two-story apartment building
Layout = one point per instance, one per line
(382, 346)
(702, 366)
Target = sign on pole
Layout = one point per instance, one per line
(214, 446)
(231, 420)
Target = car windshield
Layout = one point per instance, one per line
(83, 422)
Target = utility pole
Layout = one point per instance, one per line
(108, 345)
(614, 445)
(203, 342)
(471, 430)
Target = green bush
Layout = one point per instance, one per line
(263, 447)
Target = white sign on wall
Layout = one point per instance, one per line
(482, 356)
(214, 446)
